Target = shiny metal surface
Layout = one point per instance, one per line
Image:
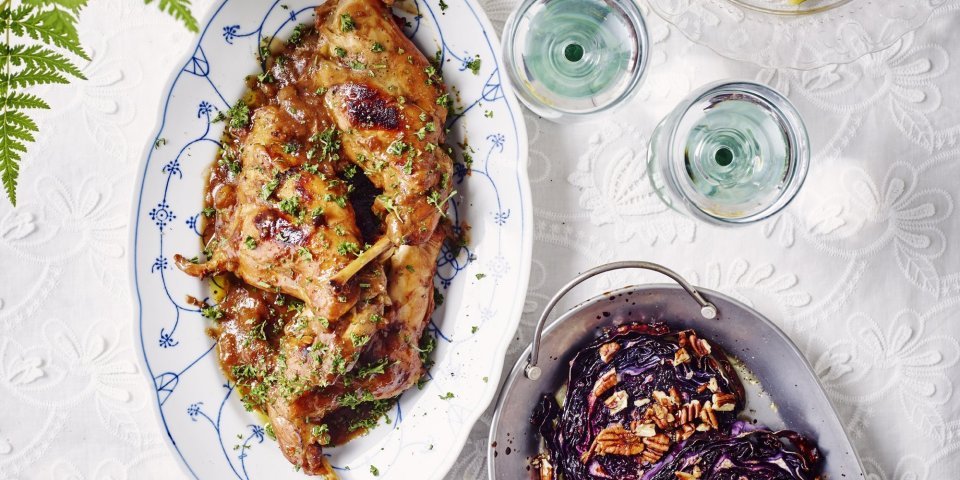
(707, 309)
(782, 390)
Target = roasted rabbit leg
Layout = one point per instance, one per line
(285, 225)
(299, 423)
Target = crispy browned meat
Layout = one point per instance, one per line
(394, 119)
(410, 278)
(386, 108)
(318, 328)
(285, 228)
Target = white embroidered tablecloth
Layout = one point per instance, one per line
(859, 270)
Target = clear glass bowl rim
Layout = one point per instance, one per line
(797, 135)
(630, 8)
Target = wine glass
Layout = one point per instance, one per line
(731, 153)
(569, 59)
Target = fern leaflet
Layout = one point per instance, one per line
(39, 36)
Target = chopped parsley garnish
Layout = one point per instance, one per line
(212, 312)
(474, 65)
(339, 363)
(441, 205)
(437, 297)
(346, 23)
(329, 142)
(359, 340)
(265, 77)
(297, 35)
(448, 396)
(444, 100)
(291, 148)
(290, 205)
(358, 65)
(239, 115)
(488, 113)
(388, 204)
(480, 276)
(354, 399)
(159, 143)
(427, 344)
(376, 368)
(232, 165)
(397, 147)
(443, 6)
(376, 318)
(319, 431)
(374, 471)
(350, 171)
(267, 189)
(377, 47)
(474, 329)
(250, 242)
(340, 200)
(304, 253)
(340, 52)
(348, 247)
(209, 211)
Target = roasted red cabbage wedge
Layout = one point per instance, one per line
(642, 396)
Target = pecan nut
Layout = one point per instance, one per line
(660, 415)
(694, 475)
(656, 447)
(615, 440)
(707, 416)
(724, 402)
(681, 356)
(689, 412)
(617, 402)
(608, 350)
(645, 430)
(606, 381)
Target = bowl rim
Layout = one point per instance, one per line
(516, 373)
(789, 13)
(560, 115)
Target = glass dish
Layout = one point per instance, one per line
(731, 154)
(777, 34)
(569, 59)
(786, 7)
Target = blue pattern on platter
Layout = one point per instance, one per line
(206, 425)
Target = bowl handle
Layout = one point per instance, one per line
(707, 309)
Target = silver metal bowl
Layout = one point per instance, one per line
(782, 390)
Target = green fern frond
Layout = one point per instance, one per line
(39, 57)
(74, 6)
(53, 26)
(179, 9)
(24, 101)
(9, 168)
(31, 77)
